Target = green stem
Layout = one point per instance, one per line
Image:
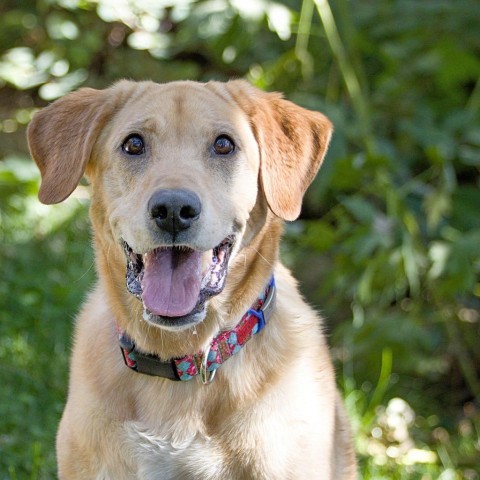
(383, 379)
(380, 389)
(349, 75)
(303, 36)
(348, 33)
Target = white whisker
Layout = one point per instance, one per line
(263, 258)
(86, 272)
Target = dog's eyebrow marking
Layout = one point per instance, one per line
(149, 124)
(178, 102)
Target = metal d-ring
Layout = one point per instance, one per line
(206, 376)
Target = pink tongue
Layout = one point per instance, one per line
(171, 282)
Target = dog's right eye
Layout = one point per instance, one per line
(133, 145)
(223, 145)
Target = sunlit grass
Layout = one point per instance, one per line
(46, 268)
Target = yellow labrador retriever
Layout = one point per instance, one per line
(195, 356)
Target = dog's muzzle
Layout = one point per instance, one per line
(172, 284)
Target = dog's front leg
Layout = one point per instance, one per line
(92, 446)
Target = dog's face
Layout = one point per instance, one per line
(177, 170)
(180, 187)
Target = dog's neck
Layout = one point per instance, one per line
(204, 363)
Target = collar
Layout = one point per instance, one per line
(205, 364)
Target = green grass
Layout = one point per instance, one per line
(46, 269)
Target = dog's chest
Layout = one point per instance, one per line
(193, 455)
(174, 454)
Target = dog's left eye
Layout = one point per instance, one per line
(133, 145)
(223, 145)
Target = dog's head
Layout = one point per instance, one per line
(177, 171)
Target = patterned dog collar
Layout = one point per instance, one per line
(222, 347)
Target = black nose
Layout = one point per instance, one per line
(174, 210)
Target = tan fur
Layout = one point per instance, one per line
(273, 411)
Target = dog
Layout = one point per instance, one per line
(195, 356)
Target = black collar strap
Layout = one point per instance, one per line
(222, 347)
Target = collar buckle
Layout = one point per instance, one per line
(206, 375)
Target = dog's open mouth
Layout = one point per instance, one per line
(174, 283)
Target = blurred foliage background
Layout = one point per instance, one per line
(388, 244)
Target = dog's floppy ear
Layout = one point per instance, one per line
(292, 142)
(61, 138)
